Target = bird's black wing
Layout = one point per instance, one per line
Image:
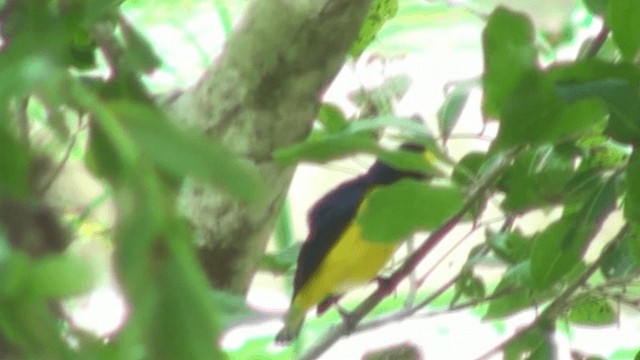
(328, 219)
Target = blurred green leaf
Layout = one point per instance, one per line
(450, 110)
(515, 283)
(379, 12)
(511, 247)
(469, 285)
(632, 197)
(61, 276)
(283, 232)
(536, 178)
(332, 118)
(15, 164)
(139, 54)
(623, 18)
(509, 54)
(325, 148)
(282, 261)
(257, 347)
(534, 344)
(621, 99)
(408, 205)
(14, 274)
(185, 325)
(102, 157)
(467, 170)
(556, 250)
(597, 7)
(182, 153)
(587, 70)
(592, 310)
(534, 114)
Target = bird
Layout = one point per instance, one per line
(335, 257)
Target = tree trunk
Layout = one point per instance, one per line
(262, 94)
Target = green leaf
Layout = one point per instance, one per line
(15, 164)
(512, 247)
(323, 147)
(181, 153)
(556, 250)
(471, 286)
(61, 276)
(534, 344)
(451, 109)
(14, 275)
(536, 178)
(624, 21)
(597, 7)
(281, 261)
(392, 213)
(620, 258)
(515, 283)
(587, 70)
(534, 114)
(185, 325)
(621, 98)
(509, 54)
(379, 13)
(467, 170)
(332, 118)
(326, 148)
(143, 203)
(632, 197)
(139, 54)
(102, 158)
(592, 310)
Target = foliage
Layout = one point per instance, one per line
(80, 65)
(567, 140)
(568, 132)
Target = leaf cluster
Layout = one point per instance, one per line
(73, 70)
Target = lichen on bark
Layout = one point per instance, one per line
(261, 94)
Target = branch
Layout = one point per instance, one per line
(260, 95)
(553, 310)
(407, 267)
(44, 188)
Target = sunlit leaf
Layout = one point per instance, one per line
(592, 310)
(515, 291)
(509, 54)
(451, 108)
(394, 212)
(332, 118)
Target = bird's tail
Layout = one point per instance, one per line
(292, 325)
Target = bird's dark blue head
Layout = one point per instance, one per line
(382, 174)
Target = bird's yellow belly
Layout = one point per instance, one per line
(352, 262)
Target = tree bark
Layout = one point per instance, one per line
(262, 94)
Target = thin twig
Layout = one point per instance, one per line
(597, 42)
(23, 122)
(551, 311)
(65, 158)
(446, 255)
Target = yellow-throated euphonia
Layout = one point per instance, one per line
(335, 258)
